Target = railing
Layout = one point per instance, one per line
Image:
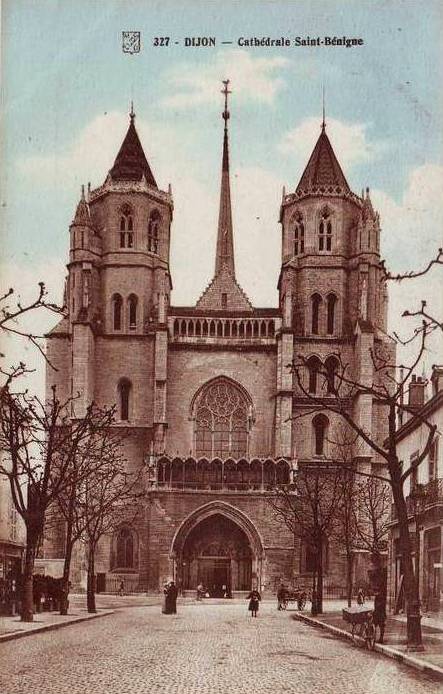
(432, 493)
(199, 328)
(130, 583)
(218, 475)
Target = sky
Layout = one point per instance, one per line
(66, 92)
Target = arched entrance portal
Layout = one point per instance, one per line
(217, 545)
(217, 554)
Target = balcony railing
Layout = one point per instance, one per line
(210, 329)
(432, 493)
(218, 475)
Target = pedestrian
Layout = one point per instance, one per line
(121, 590)
(360, 596)
(254, 598)
(172, 598)
(281, 596)
(200, 591)
(380, 612)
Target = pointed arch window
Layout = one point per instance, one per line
(299, 234)
(117, 305)
(320, 425)
(331, 304)
(132, 311)
(314, 368)
(222, 419)
(325, 232)
(126, 227)
(315, 313)
(125, 549)
(153, 231)
(124, 388)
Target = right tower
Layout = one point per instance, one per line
(333, 299)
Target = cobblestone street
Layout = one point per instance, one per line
(204, 649)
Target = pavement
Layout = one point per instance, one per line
(13, 628)
(394, 644)
(206, 648)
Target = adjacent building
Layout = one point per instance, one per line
(424, 494)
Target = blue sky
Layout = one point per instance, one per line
(67, 87)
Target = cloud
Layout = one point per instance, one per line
(24, 279)
(412, 232)
(253, 79)
(90, 156)
(412, 228)
(350, 142)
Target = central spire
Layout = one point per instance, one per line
(225, 242)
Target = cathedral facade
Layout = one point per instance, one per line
(205, 393)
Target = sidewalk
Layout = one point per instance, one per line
(430, 660)
(13, 628)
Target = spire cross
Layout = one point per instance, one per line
(226, 91)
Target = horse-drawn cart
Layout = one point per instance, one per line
(298, 595)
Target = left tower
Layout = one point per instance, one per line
(111, 347)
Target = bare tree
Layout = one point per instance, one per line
(100, 451)
(372, 527)
(386, 393)
(106, 500)
(12, 311)
(40, 442)
(308, 508)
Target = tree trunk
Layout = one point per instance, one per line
(27, 607)
(64, 600)
(349, 576)
(413, 624)
(90, 587)
(314, 593)
(320, 578)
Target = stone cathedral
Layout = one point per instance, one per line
(204, 392)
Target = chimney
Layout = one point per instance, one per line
(437, 378)
(417, 390)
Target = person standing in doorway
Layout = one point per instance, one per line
(254, 598)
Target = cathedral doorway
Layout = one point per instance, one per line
(216, 552)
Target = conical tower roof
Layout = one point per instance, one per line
(82, 216)
(131, 163)
(323, 173)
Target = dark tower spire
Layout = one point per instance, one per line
(225, 242)
(323, 124)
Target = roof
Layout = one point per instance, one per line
(224, 283)
(131, 163)
(323, 169)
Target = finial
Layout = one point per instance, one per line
(226, 91)
(132, 114)
(323, 124)
(83, 192)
